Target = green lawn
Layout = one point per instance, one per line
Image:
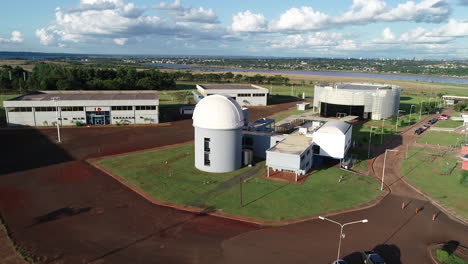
(440, 177)
(441, 138)
(448, 123)
(448, 258)
(361, 134)
(179, 182)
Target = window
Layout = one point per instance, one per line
(258, 95)
(308, 152)
(71, 108)
(45, 109)
(207, 144)
(248, 141)
(145, 107)
(244, 95)
(302, 158)
(19, 109)
(122, 108)
(316, 149)
(207, 159)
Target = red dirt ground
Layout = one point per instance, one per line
(39, 178)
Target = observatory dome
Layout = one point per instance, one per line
(218, 112)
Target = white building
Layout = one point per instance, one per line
(244, 94)
(297, 152)
(368, 101)
(83, 107)
(218, 122)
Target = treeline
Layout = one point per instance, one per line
(61, 77)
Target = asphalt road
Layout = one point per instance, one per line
(62, 210)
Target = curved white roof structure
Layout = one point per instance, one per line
(334, 127)
(218, 112)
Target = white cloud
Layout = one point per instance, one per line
(304, 18)
(388, 35)
(45, 37)
(248, 22)
(315, 41)
(117, 20)
(120, 41)
(453, 28)
(429, 11)
(362, 11)
(16, 37)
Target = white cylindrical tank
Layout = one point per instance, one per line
(218, 121)
(248, 157)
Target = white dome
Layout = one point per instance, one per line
(218, 112)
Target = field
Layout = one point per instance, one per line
(448, 123)
(439, 176)
(441, 138)
(179, 182)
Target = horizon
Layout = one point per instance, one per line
(425, 29)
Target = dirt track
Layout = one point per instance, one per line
(40, 182)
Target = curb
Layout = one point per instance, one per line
(94, 162)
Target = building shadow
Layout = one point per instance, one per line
(28, 148)
(280, 99)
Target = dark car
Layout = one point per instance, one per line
(433, 121)
(419, 131)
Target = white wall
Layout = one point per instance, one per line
(21, 118)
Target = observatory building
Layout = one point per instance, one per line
(368, 101)
(218, 122)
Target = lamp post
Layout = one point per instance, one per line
(55, 99)
(383, 170)
(397, 117)
(420, 109)
(381, 134)
(411, 108)
(370, 139)
(341, 231)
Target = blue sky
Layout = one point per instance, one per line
(333, 28)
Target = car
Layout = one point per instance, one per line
(371, 257)
(419, 131)
(444, 117)
(340, 261)
(425, 127)
(432, 121)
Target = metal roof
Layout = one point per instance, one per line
(292, 144)
(87, 95)
(334, 127)
(352, 86)
(229, 86)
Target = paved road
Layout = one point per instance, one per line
(65, 211)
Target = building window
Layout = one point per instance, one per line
(122, 108)
(71, 108)
(207, 145)
(207, 159)
(145, 107)
(248, 141)
(302, 158)
(45, 109)
(258, 95)
(316, 149)
(308, 152)
(244, 95)
(19, 109)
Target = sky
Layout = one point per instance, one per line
(425, 29)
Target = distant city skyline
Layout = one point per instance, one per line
(424, 29)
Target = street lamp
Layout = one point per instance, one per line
(420, 109)
(341, 231)
(370, 139)
(383, 170)
(411, 108)
(397, 117)
(55, 99)
(381, 134)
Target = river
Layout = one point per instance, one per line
(402, 77)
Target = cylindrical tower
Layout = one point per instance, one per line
(218, 121)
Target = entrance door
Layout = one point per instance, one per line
(98, 118)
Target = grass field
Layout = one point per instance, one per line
(441, 138)
(448, 123)
(440, 177)
(179, 182)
